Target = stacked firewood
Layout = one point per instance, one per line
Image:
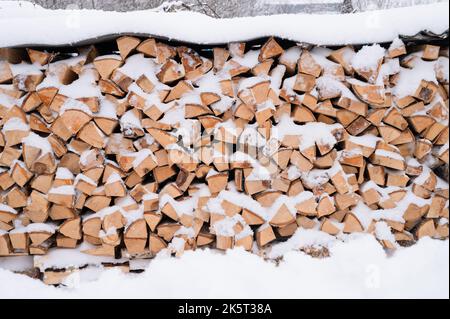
(156, 146)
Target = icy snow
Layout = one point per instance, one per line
(15, 124)
(357, 268)
(71, 26)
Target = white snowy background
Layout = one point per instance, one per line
(358, 268)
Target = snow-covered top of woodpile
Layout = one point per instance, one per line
(34, 25)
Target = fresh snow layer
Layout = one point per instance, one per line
(33, 24)
(358, 268)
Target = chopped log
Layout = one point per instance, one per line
(352, 224)
(217, 182)
(126, 45)
(39, 57)
(328, 227)
(269, 50)
(170, 72)
(106, 65)
(427, 228)
(71, 228)
(304, 82)
(148, 47)
(430, 52)
(156, 244)
(264, 235)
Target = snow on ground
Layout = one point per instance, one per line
(358, 268)
(35, 25)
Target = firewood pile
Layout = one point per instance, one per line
(152, 146)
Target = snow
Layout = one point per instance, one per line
(226, 227)
(15, 124)
(71, 26)
(383, 232)
(107, 109)
(396, 44)
(25, 69)
(291, 55)
(33, 228)
(114, 177)
(41, 227)
(389, 154)
(84, 86)
(63, 173)
(309, 133)
(244, 201)
(129, 121)
(7, 208)
(357, 268)
(63, 190)
(67, 257)
(84, 178)
(368, 58)
(366, 140)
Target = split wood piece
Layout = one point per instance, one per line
(39, 57)
(344, 201)
(270, 49)
(38, 207)
(156, 244)
(65, 242)
(106, 65)
(325, 206)
(148, 47)
(126, 45)
(283, 217)
(70, 123)
(394, 118)
(178, 90)
(352, 224)
(307, 207)
(167, 230)
(5, 72)
(152, 219)
(71, 228)
(92, 227)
